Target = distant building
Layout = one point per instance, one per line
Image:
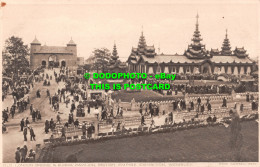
(53, 56)
(196, 59)
(80, 61)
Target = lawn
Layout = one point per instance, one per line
(145, 95)
(208, 144)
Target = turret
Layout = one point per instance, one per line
(35, 45)
(72, 47)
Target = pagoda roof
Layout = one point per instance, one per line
(240, 49)
(166, 58)
(229, 59)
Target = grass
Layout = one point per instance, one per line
(198, 145)
(145, 95)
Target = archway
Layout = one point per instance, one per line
(206, 68)
(44, 63)
(52, 61)
(63, 63)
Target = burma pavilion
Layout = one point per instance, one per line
(196, 59)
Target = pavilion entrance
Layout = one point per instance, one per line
(52, 61)
(206, 68)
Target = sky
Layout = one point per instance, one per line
(168, 25)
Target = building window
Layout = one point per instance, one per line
(173, 69)
(188, 70)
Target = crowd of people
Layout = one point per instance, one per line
(74, 95)
(22, 155)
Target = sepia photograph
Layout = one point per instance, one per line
(130, 82)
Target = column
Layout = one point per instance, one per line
(242, 70)
(248, 70)
(235, 70)
(181, 70)
(229, 71)
(166, 69)
(222, 70)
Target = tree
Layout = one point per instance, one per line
(101, 59)
(15, 56)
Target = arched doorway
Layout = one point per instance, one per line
(206, 68)
(52, 61)
(44, 63)
(63, 63)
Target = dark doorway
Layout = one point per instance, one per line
(44, 63)
(63, 64)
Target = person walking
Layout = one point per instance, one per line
(25, 150)
(23, 156)
(25, 134)
(84, 129)
(27, 122)
(47, 126)
(31, 109)
(63, 132)
(32, 134)
(22, 124)
(17, 155)
(90, 130)
(142, 120)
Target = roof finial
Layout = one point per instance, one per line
(142, 30)
(197, 18)
(226, 32)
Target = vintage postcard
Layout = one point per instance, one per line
(130, 83)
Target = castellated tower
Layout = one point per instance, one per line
(53, 56)
(35, 47)
(72, 47)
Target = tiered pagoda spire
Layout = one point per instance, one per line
(196, 49)
(196, 36)
(226, 48)
(114, 53)
(142, 43)
(115, 65)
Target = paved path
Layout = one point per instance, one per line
(14, 138)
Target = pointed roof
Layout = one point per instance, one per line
(35, 41)
(226, 48)
(196, 36)
(114, 53)
(71, 42)
(142, 42)
(196, 49)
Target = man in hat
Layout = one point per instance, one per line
(32, 134)
(17, 155)
(23, 154)
(22, 124)
(90, 130)
(31, 109)
(84, 129)
(25, 133)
